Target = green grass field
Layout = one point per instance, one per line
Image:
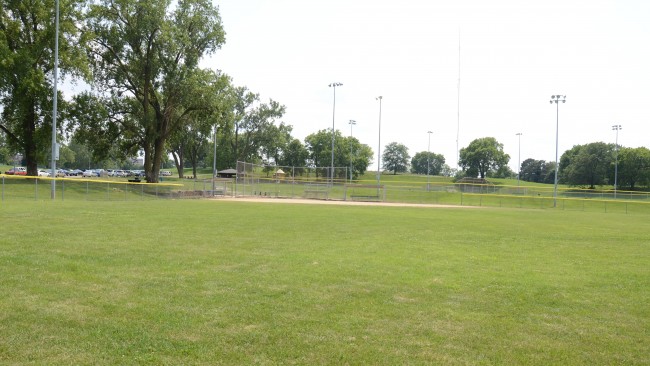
(216, 282)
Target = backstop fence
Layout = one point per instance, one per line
(316, 183)
(253, 180)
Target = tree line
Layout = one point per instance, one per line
(148, 94)
(589, 165)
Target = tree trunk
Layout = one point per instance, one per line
(178, 161)
(29, 145)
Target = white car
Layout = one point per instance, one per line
(43, 173)
(89, 173)
(165, 173)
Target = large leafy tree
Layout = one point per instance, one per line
(27, 30)
(145, 57)
(319, 146)
(361, 156)
(426, 162)
(396, 158)
(633, 167)
(251, 127)
(346, 150)
(295, 154)
(587, 165)
(481, 156)
(538, 171)
(192, 140)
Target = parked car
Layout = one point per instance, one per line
(17, 171)
(120, 173)
(43, 173)
(89, 173)
(75, 172)
(165, 173)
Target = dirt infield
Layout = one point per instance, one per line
(335, 202)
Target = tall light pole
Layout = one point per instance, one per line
(379, 98)
(333, 85)
(428, 158)
(214, 160)
(556, 99)
(55, 99)
(616, 128)
(519, 159)
(352, 123)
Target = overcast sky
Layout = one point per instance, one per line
(513, 56)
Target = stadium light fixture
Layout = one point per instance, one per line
(333, 85)
(556, 99)
(352, 123)
(616, 128)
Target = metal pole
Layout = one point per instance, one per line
(214, 160)
(352, 123)
(616, 128)
(556, 99)
(557, 166)
(519, 160)
(428, 159)
(333, 85)
(458, 107)
(54, 101)
(379, 148)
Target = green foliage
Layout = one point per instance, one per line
(503, 171)
(538, 171)
(482, 156)
(145, 59)
(633, 167)
(26, 66)
(395, 158)
(587, 165)
(250, 129)
(346, 149)
(427, 163)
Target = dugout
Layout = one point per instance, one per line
(227, 173)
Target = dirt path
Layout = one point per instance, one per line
(335, 202)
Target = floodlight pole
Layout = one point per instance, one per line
(428, 159)
(214, 160)
(352, 123)
(519, 159)
(333, 85)
(55, 99)
(616, 128)
(379, 98)
(556, 99)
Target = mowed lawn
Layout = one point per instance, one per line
(217, 282)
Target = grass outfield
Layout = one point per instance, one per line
(216, 282)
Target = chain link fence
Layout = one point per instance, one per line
(40, 188)
(253, 180)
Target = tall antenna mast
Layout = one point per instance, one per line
(458, 111)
